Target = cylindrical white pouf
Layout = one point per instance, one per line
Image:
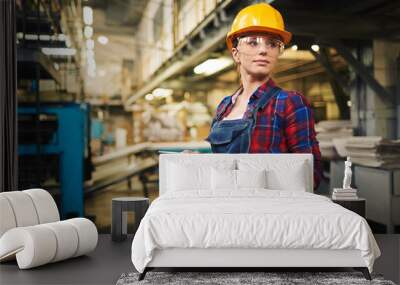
(87, 234)
(34, 246)
(46, 208)
(23, 207)
(7, 218)
(67, 239)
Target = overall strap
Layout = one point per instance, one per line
(225, 106)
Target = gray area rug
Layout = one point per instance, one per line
(225, 278)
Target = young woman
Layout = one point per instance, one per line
(260, 117)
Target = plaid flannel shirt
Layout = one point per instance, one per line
(286, 124)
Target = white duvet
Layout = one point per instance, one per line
(253, 218)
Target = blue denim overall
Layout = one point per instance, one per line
(233, 136)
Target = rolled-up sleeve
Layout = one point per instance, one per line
(300, 131)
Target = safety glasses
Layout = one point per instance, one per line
(252, 43)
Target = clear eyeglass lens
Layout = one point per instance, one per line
(254, 42)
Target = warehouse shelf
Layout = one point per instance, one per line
(120, 175)
(123, 164)
(122, 153)
(27, 60)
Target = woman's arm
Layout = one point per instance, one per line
(300, 131)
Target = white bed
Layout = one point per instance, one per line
(198, 222)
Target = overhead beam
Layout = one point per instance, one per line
(336, 81)
(179, 66)
(362, 71)
(200, 86)
(323, 58)
(312, 70)
(359, 6)
(205, 38)
(341, 26)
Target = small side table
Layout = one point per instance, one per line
(120, 207)
(356, 205)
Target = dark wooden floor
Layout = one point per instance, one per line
(103, 266)
(110, 259)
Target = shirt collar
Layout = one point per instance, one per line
(262, 89)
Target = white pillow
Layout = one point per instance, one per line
(293, 179)
(223, 179)
(251, 178)
(227, 179)
(193, 176)
(183, 177)
(281, 175)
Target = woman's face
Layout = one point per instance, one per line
(257, 54)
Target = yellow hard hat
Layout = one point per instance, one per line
(260, 17)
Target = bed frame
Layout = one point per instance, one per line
(242, 259)
(246, 258)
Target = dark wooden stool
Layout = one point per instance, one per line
(120, 207)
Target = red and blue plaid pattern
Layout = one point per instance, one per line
(284, 125)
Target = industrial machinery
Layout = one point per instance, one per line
(53, 129)
(52, 150)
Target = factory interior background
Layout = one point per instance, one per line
(103, 86)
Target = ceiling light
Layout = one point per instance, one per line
(294, 47)
(90, 53)
(149, 97)
(91, 70)
(103, 40)
(59, 51)
(90, 44)
(88, 32)
(44, 37)
(91, 62)
(31, 37)
(87, 15)
(213, 65)
(91, 65)
(162, 92)
(315, 48)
